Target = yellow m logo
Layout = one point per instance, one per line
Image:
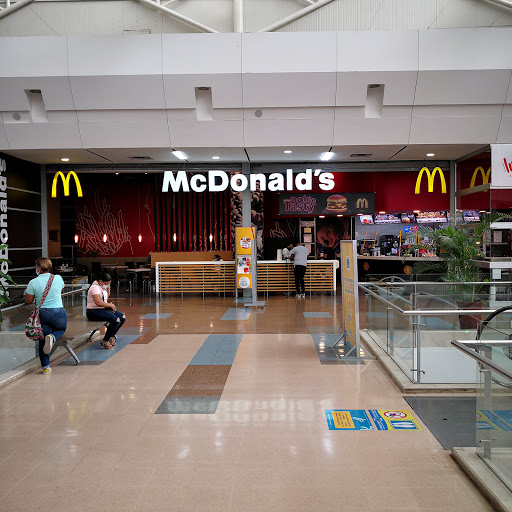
(65, 183)
(485, 176)
(430, 179)
(362, 202)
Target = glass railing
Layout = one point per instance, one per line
(493, 403)
(415, 322)
(15, 348)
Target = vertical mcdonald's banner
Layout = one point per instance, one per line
(244, 239)
(501, 165)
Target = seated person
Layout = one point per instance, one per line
(99, 309)
(217, 258)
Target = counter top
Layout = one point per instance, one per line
(398, 258)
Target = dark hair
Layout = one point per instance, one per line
(217, 256)
(103, 276)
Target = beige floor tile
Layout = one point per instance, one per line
(114, 499)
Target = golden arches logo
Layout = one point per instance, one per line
(485, 176)
(65, 183)
(430, 179)
(362, 202)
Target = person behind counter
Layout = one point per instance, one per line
(217, 258)
(299, 254)
(286, 252)
(99, 309)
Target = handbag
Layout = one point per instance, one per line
(33, 329)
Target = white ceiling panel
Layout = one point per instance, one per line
(56, 92)
(377, 153)
(454, 130)
(125, 55)
(186, 54)
(441, 151)
(33, 56)
(462, 87)
(180, 90)
(457, 110)
(204, 155)
(53, 156)
(109, 116)
(509, 95)
(399, 87)
(462, 49)
(125, 134)
(206, 133)
(290, 113)
(284, 132)
(289, 90)
(117, 92)
(43, 135)
(298, 154)
(292, 52)
(377, 51)
(4, 144)
(384, 130)
(505, 132)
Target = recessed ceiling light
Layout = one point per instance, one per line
(415, 211)
(215, 157)
(326, 156)
(483, 211)
(64, 159)
(287, 151)
(322, 216)
(359, 214)
(180, 155)
(117, 173)
(431, 154)
(382, 213)
(339, 215)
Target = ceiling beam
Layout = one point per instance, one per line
(296, 16)
(177, 15)
(14, 7)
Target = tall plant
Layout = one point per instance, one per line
(4, 293)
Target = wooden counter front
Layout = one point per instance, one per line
(272, 276)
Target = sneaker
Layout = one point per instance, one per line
(47, 371)
(48, 343)
(303, 295)
(298, 296)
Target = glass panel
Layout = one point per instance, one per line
(401, 342)
(494, 415)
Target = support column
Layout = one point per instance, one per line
(44, 214)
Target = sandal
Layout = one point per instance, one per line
(112, 342)
(107, 345)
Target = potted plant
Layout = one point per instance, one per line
(4, 293)
(458, 246)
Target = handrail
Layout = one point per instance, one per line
(481, 359)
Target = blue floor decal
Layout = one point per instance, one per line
(319, 314)
(156, 316)
(237, 314)
(218, 349)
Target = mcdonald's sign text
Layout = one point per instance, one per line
(65, 183)
(430, 179)
(340, 204)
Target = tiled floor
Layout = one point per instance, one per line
(87, 438)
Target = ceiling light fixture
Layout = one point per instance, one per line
(359, 214)
(117, 174)
(322, 216)
(64, 159)
(415, 211)
(339, 215)
(76, 239)
(326, 156)
(287, 151)
(382, 213)
(431, 154)
(215, 157)
(105, 238)
(180, 155)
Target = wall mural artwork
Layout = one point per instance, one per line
(93, 225)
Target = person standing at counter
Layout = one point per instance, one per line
(286, 252)
(299, 255)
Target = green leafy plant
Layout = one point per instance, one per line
(458, 247)
(4, 293)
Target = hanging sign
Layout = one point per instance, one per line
(501, 165)
(65, 183)
(430, 179)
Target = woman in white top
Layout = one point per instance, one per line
(99, 309)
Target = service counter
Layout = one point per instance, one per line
(387, 265)
(219, 277)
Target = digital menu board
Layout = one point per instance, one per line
(430, 217)
(408, 218)
(387, 219)
(366, 219)
(471, 216)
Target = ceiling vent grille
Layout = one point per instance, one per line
(139, 158)
(360, 155)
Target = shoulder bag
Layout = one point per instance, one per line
(33, 329)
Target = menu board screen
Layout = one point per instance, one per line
(408, 218)
(387, 219)
(430, 217)
(366, 219)
(471, 216)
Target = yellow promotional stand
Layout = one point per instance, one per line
(245, 257)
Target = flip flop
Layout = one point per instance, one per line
(107, 345)
(112, 342)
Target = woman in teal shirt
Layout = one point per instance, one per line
(52, 314)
